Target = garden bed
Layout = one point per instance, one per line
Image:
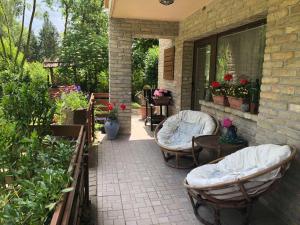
(73, 201)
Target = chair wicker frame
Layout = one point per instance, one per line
(204, 197)
(192, 152)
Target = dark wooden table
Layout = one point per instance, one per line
(212, 142)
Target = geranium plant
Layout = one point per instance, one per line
(240, 90)
(160, 92)
(218, 89)
(113, 109)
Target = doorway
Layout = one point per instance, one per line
(204, 69)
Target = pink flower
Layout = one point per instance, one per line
(157, 93)
(227, 122)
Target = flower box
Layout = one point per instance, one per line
(235, 103)
(220, 100)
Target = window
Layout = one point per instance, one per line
(241, 54)
(239, 51)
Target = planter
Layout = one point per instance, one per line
(245, 107)
(111, 129)
(143, 110)
(163, 100)
(68, 116)
(235, 103)
(220, 100)
(253, 108)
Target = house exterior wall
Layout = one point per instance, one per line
(279, 117)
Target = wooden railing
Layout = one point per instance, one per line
(69, 210)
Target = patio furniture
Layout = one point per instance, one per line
(212, 142)
(174, 135)
(237, 180)
(153, 118)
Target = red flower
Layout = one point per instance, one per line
(215, 84)
(123, 106)
(228, 77)
(110, 106)
(244, 81)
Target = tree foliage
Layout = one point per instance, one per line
(85, 44)
(144, 64)
(48, 40)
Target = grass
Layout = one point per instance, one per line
(135, 105)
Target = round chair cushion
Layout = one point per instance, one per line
(178, 130)
(240, 164)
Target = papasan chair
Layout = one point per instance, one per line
(237, 180)
(174, 136)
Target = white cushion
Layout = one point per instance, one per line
(245, 162)
(178, 130)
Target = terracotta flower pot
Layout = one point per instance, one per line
(253, 108)
(235, 103)
(143, 112)
(220, 100)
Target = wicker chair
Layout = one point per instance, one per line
(239, 194)
(170, 153)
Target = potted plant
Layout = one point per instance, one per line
(218, 91)
(71, 107)
(238, 94)
(143, 96)
(112, 125)
(161, 97)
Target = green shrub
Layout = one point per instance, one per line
(26, 102)
(37, 72)
(151, 66)
(135, 105)
(40, 177)
(69, 102)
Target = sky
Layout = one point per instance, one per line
(55, 16)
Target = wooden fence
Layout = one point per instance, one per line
(69, 210)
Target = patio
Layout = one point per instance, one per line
(134, 186)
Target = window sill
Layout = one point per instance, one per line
(232, 111)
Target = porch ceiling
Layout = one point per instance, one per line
(153, 10)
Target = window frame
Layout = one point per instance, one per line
(213, 40)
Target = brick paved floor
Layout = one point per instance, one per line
(135, 187)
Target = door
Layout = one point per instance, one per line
(204, 69)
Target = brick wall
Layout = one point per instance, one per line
(121, 34)
(162, 83)
(279, 117)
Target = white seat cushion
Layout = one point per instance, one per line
(240, 164)
(178, 130)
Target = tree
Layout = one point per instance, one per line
(140, 49)
(85, 45)
(49, 39)
(34, 50)
(151, 66)
(12, 32)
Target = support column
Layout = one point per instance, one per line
(120, 47)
